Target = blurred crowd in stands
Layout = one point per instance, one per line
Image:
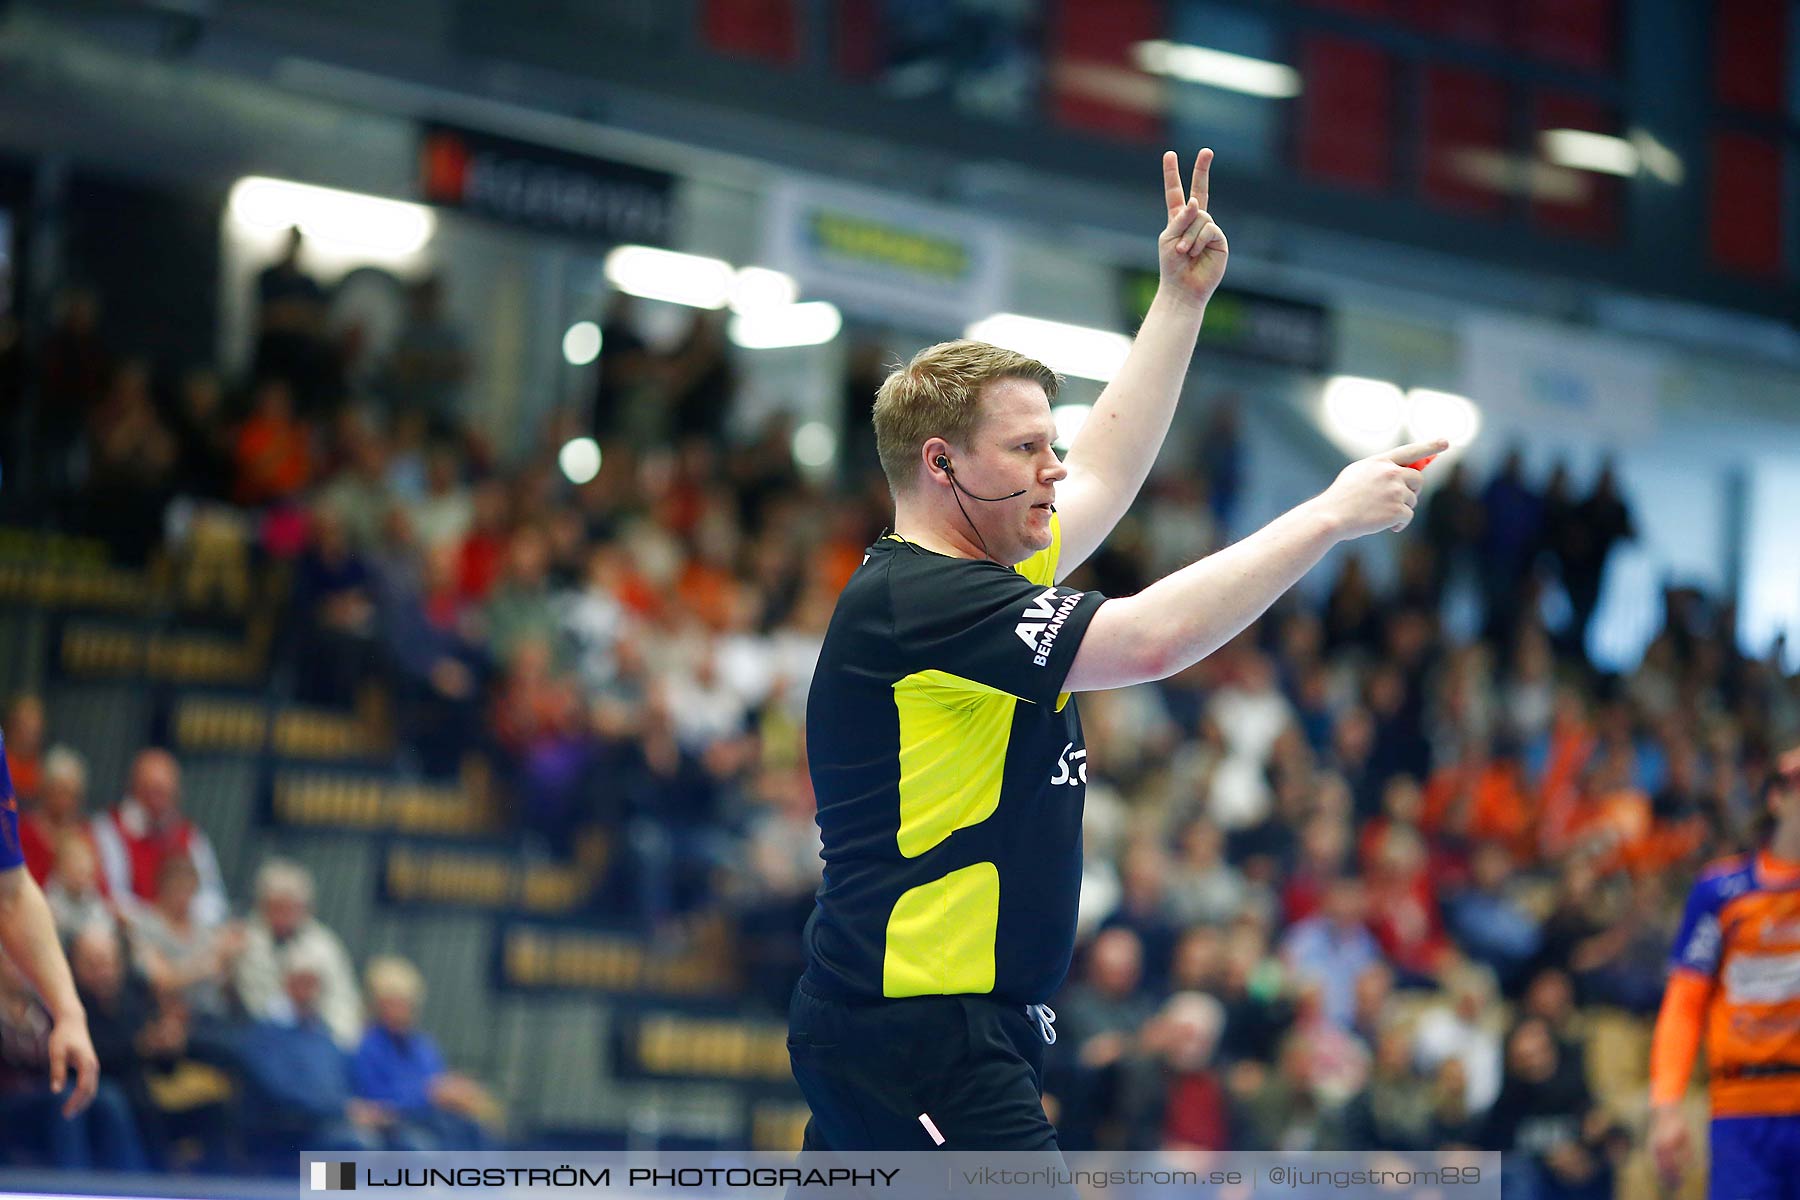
(227, 1043)
(1350, 882)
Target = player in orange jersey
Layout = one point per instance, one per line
(1736, 968)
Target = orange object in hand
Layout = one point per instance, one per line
(1422, 463)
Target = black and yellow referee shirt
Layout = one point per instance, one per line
(950, 773)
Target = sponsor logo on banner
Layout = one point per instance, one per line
(1273, 329)
(1533, 379)
(543, 188)
(883, 256)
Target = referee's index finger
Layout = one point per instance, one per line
(1173, 196)
(1414, 451)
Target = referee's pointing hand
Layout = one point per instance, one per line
(1377, 492)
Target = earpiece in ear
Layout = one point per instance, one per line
(942, 462)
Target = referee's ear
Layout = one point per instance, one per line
(939, 463)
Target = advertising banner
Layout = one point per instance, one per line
(1535, 381)
(1271, 329)
(541, 188)
(883, 257)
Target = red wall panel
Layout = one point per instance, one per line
(1465, 133)
(1094, 83)
(1483, 22)
(1594, 212)
(1750, 53)
(1744, 213)
(857, 44)
(1575, 33)
(765, 29)
(1345, 113)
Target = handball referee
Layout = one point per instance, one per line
(945, 751)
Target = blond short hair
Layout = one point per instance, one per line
(63, 765)
(390, 975)
(305, 958)
(286, 879)
(937, 394)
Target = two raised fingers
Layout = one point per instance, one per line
(1199, 192)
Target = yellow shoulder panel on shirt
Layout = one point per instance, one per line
(1041, 567)
(941, 935)
(954, 734)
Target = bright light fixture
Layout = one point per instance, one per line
(1586, 151)
(754, 289)
(1657, 158)
(579, 460)
(815, 445)
(1432, 414)
(811, 324)
(1069, 419)
(666, 275)
(1363, 415)
(1217, 68)
(347, 219)
(581, 344)
(1066, 349)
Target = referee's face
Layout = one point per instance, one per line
(1013, 450)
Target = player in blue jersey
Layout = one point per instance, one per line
(28, 935)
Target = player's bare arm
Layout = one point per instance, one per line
(1112, 455)
(1180, 619)
(28, 935)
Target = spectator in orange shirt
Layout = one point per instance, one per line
(709, 590)
(838, 556)
(1482, 797)
(273, 454)
(1566, 747)
(1610, 821)
(25, 744)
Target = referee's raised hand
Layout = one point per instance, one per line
(1378, 492)
(1192, 249)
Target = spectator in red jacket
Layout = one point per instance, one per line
(58, 813)
(146, 828)
(1183, 1105)
(1403, 907)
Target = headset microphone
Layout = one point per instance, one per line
(943, 464)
